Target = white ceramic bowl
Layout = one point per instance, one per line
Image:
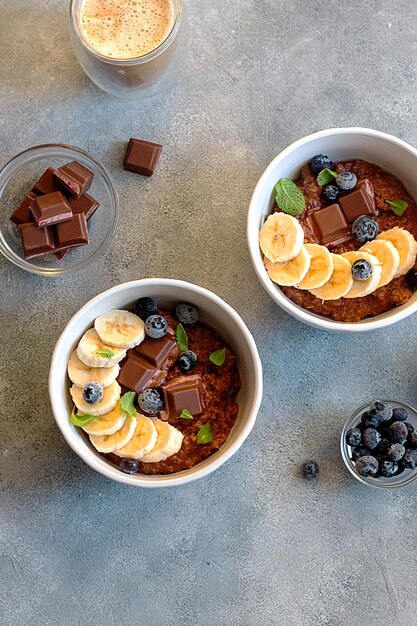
(392, 154)
(214, 312)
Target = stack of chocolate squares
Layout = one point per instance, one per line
(53, 216)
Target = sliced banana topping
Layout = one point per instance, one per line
(143, 440)
(111, 396)
(94, 353)
(339, 283)
(281, 238)
(387, 255)
(120, 329)
(321, 267)
(81, 374)
(289, 273)
(169, 442)
(111, 443)
(107, 424)
(361, 288)
(406, 245)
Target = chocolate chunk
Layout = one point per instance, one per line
(75, 177)
(36, 241)
(135, 373)
(185, 392)
(50, 209)
(142, 157)
(157, 351)
(72, 233)
(47, 183)
(85, 204)
(329, 225)
(360, 201)
(23, 214)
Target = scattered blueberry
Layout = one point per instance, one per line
(367, 466)
(93, 393)
(409, 459)
(364, 229)
(330, 193)
(396, 452)
(382, 410)
(361, 270)
(412, 439)
(156, 326)
(129, 466)
(187, 361)
(399, 414)
(346, 181)
(310, 469)
(150, 401)
(320, 162)
(353, 437)
(370, 420)
(187, 313)
(360, 451)
(398, 432)
(370, 438)
(145, 307)
(388, 468)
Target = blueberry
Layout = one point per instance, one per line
(361, 270)
(187, 361)
(359, 451)
(371, 438)
(187, 313)
(129, 466)
(409, 459)
(93, 393)
(388, 469)
(398, 432)
(411, 279)
(396, 452)
(367, 466)
(382, 410)
(145, 307)
(150, 401)
(381, 451)
(353, 437)
(330, 193)
(370, 420)
(364, 229)
(346, 181)
(320, 162)
(410, 428)
(399, 414)
(412, 439)
(156, 326)
(310, 469)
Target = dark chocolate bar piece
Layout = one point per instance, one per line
(71, 233)
(185, 392)
(157, 351)
(47, 183)
(23, 214)
(329, 225)
(50, 209)
(360, 201)
(75, 177)
(142, 157)
(84, 204)
(36, 241)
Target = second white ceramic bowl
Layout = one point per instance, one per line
(167, 293)
(340, 144)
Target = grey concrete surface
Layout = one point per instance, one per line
(252, 544)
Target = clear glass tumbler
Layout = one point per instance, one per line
(142, 76)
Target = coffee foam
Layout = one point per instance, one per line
(126, 29)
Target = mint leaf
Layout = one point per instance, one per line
(204, 435)
(398, 206)
(289, 197)
(126, 403)
(186, 415)
(326, 176)
(182, 339)
(106, 354)
(81, 420)
(218, 357)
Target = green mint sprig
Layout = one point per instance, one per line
(204, 435)
(106, 354)
(289, 197)
(182, 339)
(126, 403)
(398, 206)
(218, 357)
(81, 420)
(186, 415)
(326, 176)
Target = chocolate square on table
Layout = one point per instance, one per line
(84, 204)
(142, 157)
(23, 214)
(47, 183)
(50, 209)
(185, 392)
(36, 241)
(360, 201)
(72, 233)
(329, 225)
(135, 373)
(75, 177)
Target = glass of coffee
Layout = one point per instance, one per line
(129, 48)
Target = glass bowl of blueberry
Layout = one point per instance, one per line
(379, 444)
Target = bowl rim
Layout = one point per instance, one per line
(303, 315)
(26, 265)
(167, 480)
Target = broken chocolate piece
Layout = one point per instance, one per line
(329, 225)
(360, 201)
(72, 233)
(185, 392)
(84, 204)
(135, 373)
(142, 157)
(157, 351)
(36, 241)
(50, 209)
(23, 214)
(47, 183)
(75, 177)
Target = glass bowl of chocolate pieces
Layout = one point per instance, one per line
(59, 210)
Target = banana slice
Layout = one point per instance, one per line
(361, 288)
(111, 443)
(143, 440)
(81, 374)
(387, 255)
(291, 272)
(321, 267)
(92, 351)
(169, 442)
(111, 396)
(281, 238)
(406, 246)
(339, 283)
(107, 424)
(120, 329)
